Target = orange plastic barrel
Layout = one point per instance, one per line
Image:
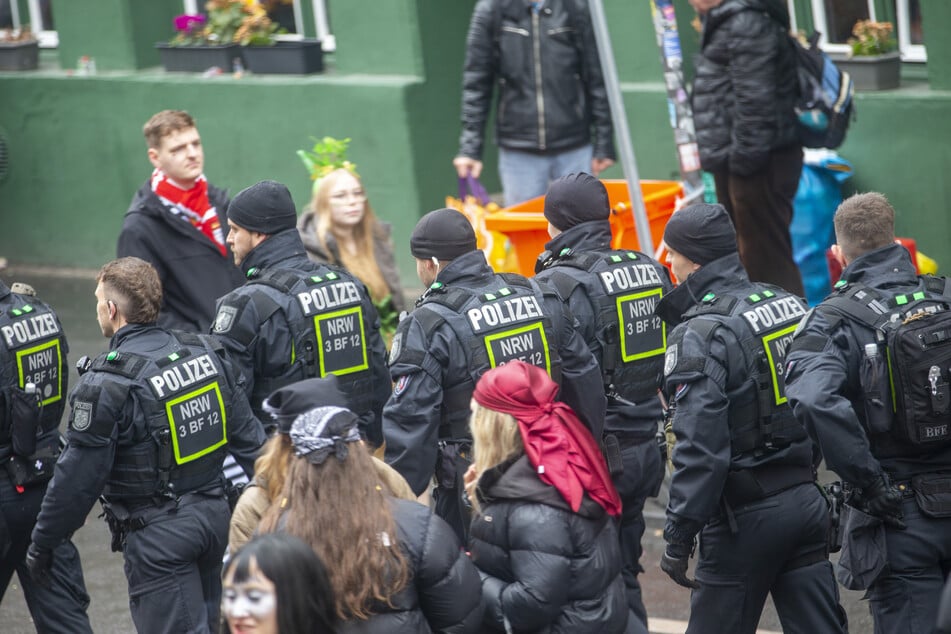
(526, 228)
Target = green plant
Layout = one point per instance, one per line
(872, 38)
(243, 21)
(327, 155)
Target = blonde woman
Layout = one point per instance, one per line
(339, 227)
(544, 537)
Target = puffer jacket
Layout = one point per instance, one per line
(745, 87)
(443, 595)
(553, 52)
(544, 567)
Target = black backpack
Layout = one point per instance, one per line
(910, 395)
(825, 106)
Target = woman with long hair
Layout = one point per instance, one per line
(276, 584)
(544, 536)
(271, 467)
(394, 566)
(339, 227)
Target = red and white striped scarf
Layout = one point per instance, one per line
(191, 204)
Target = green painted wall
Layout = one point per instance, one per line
(76, 151)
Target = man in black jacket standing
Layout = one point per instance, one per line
(177, 222)
(552, 115)
(743, 100)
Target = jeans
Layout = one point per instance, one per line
(527, 175)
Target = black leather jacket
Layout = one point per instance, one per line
(745, 87)
(550, 87)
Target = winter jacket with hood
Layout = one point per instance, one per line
(745, 87)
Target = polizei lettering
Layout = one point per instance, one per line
(30, 329)
(775, 313)
(181, 376)
(507, 311)
(320, 298)
(625, 278)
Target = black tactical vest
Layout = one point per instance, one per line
(624, 287)
(764, 323)
(185, 398)
(500, 323)
(32, 350)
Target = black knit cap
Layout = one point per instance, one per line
(574, 199)
(287, 403)
(701, 233)
(444, 234)
(265, 207)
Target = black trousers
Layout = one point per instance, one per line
(761, 206)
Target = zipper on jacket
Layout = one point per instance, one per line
(539, 97)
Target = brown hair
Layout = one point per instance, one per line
(163, 123)
(134, 284)
(495, 439)
(363, 264)
(272, 465)
(340, 509)
(863, 223)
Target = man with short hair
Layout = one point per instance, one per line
(469, 320)
(744, 468)
(176, 222)
(613, 294)
(150, 424)
(296, 319)
(886, 436)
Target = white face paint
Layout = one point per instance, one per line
(250, 606)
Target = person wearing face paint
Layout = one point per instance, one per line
(295, 319)
(339, 227)
(395, 567)
(150, 423)
(469, 320)
(744, 467)
(177, 221)
(276, 584)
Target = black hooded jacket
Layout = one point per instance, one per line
(192, 270)
(746, 85)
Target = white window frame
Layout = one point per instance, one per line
(819, 19)
(47, 38)
(909, 52)
(321, 23)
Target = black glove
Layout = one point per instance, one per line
(674, 563)
(884, 501)
(40, 564)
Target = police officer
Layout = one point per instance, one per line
(613, 294)
(897, 480)
(744, 477)
(33, 383)
(150, 423)
(469, 320)
(297, 319)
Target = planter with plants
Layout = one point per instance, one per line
(874, 62)
(203, 42)
(19, 49)
(265, 53)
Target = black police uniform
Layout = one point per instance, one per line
(613, 295)
(823, 385)
(150, 424)
(33, 351)
(296, 319)
(470, 320)
(743, 466)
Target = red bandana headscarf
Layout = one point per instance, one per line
(557, 443)
(192, 204)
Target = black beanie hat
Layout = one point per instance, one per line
(701, 233)
(574, 199)
(265, 207)
(444, 234)
(287, 403)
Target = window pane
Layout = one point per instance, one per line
(281, 13)
(914, 12)
(6, 15)
(841, 16)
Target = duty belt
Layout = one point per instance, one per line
(749, 485)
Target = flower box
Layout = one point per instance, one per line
(197, 59)
(293, 57)
(873, 72)
(19, 55)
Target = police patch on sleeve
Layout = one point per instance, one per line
(670, 359)
(401, 385)
(82, 416)
(225, 318)
(396, 347)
